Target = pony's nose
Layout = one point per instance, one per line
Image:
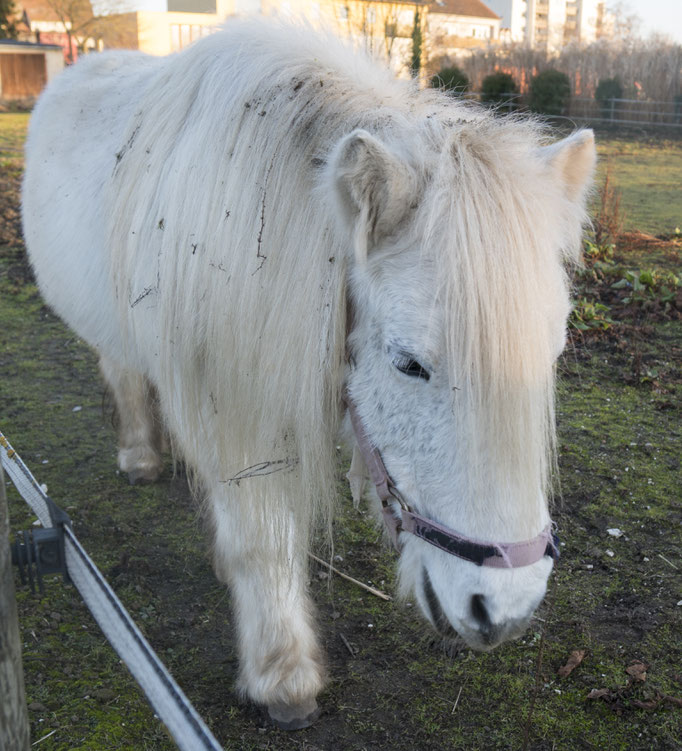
(487, 632)
(479, 612)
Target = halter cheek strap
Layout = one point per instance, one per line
(492, 554)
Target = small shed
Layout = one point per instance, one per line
(25, 67)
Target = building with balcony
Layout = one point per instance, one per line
(549, 23)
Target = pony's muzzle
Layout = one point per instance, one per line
(479, 631)
(489, 633)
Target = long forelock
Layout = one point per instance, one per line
(494, 220)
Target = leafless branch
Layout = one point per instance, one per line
(376, 592)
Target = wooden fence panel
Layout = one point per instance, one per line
(14, 731)
(23, 75)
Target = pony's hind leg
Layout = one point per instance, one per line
(280, 660)
(140, 432)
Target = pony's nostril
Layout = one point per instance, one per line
(438, 617)
(479, 611)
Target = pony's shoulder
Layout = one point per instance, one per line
(111, 62)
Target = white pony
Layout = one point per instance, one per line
(247, 228)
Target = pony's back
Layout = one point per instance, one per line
(73, 137)
(174, 218)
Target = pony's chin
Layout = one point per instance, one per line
(486, 641)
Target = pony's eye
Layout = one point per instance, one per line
(410, 367)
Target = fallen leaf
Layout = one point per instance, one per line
(646, 704)
(598, 693)
(653, 703)
(637, 670)
(575, 658)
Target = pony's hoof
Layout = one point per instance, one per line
(143, 476)
(293, 716)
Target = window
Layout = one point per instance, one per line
(192, 6)
(183, 34)
(175, 37)
(480, 32)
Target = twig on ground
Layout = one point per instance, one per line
(667, 561)
(454, 706)
(44, 737)
(347, 645)
(366, 587)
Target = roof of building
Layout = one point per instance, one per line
(474, 8)
(32, 45)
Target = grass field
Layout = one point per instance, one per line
(616, 598)
(12, 136)
(648, 174)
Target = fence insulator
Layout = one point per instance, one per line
(39, 552)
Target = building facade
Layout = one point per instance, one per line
(384, 28)
(549, 23)
(159, 27)
(457, 25)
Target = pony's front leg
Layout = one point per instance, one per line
(140, 432)
(281, 665)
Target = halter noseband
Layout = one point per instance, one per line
(493, 554)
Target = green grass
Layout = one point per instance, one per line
(12, 136)
(647, 173)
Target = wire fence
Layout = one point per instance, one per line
(627, 112)
(616, 112)
(165, 696)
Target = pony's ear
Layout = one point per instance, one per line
(373, 187)
(573, 160)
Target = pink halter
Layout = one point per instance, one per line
(493, 554)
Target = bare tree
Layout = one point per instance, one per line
(82, 25)
(621, 21)
(647, 68)
(77, 18)
(380, 27)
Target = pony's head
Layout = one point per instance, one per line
(459, 297)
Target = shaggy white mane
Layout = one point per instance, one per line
(260, 333)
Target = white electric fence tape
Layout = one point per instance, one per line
(165, 696)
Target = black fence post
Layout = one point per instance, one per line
(14, 729)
